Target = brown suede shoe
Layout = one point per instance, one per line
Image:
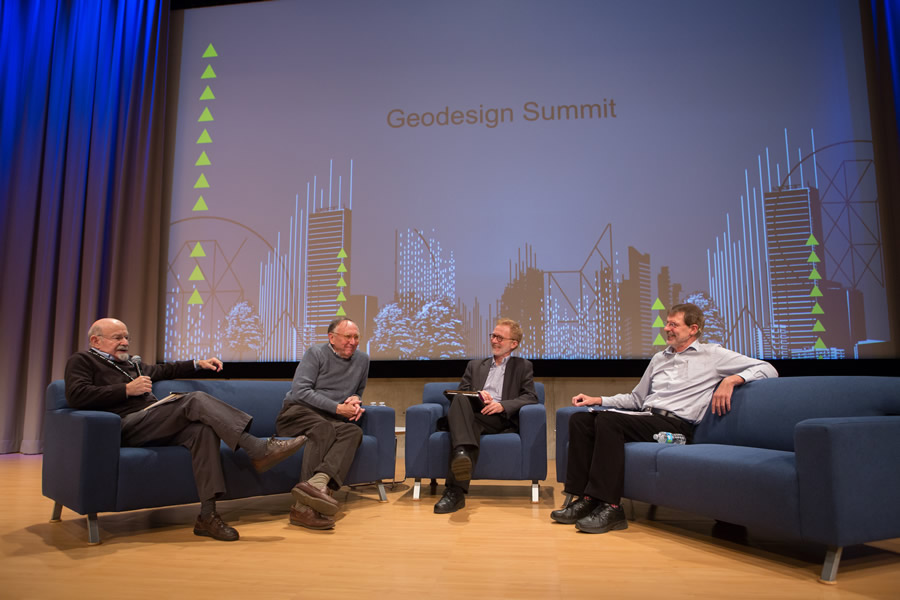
(216, 528)
(276, 451)
(304, 516)
(308, 494)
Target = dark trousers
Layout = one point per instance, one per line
(332, 442)
(196, 421)
(466, 427)
(596, 459)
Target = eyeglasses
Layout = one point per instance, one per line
(500, 338)
(350, 337)
(117, 337)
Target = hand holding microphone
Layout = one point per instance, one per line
(142, 385)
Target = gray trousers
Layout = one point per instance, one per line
(332, 442)
(196, 421)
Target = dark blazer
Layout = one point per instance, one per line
(93, 383)
(518, 383)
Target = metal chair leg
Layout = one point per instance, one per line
(93, 529)
(57, 513)
(830, 566)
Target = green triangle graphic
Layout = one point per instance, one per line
(204, 138)
(201, 182)
(812, 241)
(658, 322)
(197, 275)
(341, 297)
(820, 345)
(210, 52)
(342, 254)
(814, 274)
(340, 312)
(816, 292)
(198, 251)
(818, 326)
(200, 205)
(657, 305)
(817, 310)
(207, 94)
(659, 341)
(813, 257)
(208, 73)
(342, 283)
(205, 115)
(341, 268)
(195, 298)
(203, 160)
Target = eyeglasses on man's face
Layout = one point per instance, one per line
(500, 338)
(118, 337)
(350, 337)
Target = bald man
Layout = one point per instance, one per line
(105, 377)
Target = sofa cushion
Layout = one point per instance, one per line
(764, 413)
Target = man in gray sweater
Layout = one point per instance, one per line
(325, 404)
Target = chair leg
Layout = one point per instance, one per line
(535, 490)
(382, 496)
(651, 513)
(830, 566)
(57, 513)
(93, 529)
(433, 486)
(417, 488)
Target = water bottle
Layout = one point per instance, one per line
(664, 437)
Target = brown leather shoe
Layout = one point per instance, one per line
(216, 528)
(308, 494)
(305, 516)
(276, 451)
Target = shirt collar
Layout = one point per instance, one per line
(695, 345)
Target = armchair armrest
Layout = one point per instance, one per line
(533, 433)
(848, 478)
(81, 459)
(421, 422)
(562, 438)
(378, 421)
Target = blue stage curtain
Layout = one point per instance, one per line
(82, 98)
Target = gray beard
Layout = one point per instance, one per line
(123, 356)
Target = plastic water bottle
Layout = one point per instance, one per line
(664, 437)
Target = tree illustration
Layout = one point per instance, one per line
(393, 336)
(714, 332)
(438, 331)
(243, 331)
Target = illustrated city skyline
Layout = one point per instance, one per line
(785, 280)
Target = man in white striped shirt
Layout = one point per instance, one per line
(673, 395)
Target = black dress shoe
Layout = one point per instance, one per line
(305, 516)
(574, 511)
(308, 494)
(450, 502)
(216, 528)
(461, 464)
(602, 519)
(276, 451)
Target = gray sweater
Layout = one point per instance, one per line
(323, 379)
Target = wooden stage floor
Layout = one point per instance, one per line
(500, 546)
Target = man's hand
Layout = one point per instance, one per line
(139, 386)
(491, 406)
(351, 408)
(210, 364)
(721, 400)
(585, 400)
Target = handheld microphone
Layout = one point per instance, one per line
(136, 361)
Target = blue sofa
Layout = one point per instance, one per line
(807, 458)
(86, 470)
(506, 456)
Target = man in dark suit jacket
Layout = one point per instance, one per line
(106, 377)
(505, 384)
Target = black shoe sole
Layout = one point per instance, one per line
(205, 533)
(617, 526)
